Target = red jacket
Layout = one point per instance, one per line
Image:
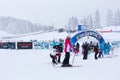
(67, 42)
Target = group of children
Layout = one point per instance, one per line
(99, 49)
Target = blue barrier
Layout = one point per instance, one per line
(45, 45)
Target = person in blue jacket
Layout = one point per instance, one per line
(105, 48)
(101, 51)
(108, 47)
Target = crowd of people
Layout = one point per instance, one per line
(87, 48)
(99, 49)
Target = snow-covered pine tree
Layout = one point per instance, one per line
(90, 21)
(18, 26)
(84, 21)
(109, 19)
(3, 23)
(72, 23)
(117, 18)
(97, 22)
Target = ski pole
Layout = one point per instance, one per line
(73, 59)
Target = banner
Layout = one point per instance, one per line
(7, 45)
(41, 45)
(24, 45)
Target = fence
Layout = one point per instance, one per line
(7, 45)
(46, 45)
(32, 44)
(115, 44)
(40, 44)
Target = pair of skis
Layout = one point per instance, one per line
(58, 66)
(68, 66)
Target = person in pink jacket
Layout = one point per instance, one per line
(67, 47)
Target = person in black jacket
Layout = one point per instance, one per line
(86, 48)
(56, 56)
(96, 47)
(77, 46)
(59, 50)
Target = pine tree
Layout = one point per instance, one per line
(83, 21)
(117, 18)
(72, 23)
(18, 26)
(109, 19)
(90, 21)
(97, 20)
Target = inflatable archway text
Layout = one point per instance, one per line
(91, 33)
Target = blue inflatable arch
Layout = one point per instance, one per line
(91, 33)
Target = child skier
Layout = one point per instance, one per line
(76, 51)
(56, 55)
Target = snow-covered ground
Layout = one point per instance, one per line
(36, 64)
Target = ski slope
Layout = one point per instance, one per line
(36, 64)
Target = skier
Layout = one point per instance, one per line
(67, 47)
(56, 55)
(76, 51)
(53, 56)
(59, 50)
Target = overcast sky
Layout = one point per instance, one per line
(58, 12)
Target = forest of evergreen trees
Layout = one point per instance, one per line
(19, 26)
(93, 22)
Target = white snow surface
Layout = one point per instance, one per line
(37, 65)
